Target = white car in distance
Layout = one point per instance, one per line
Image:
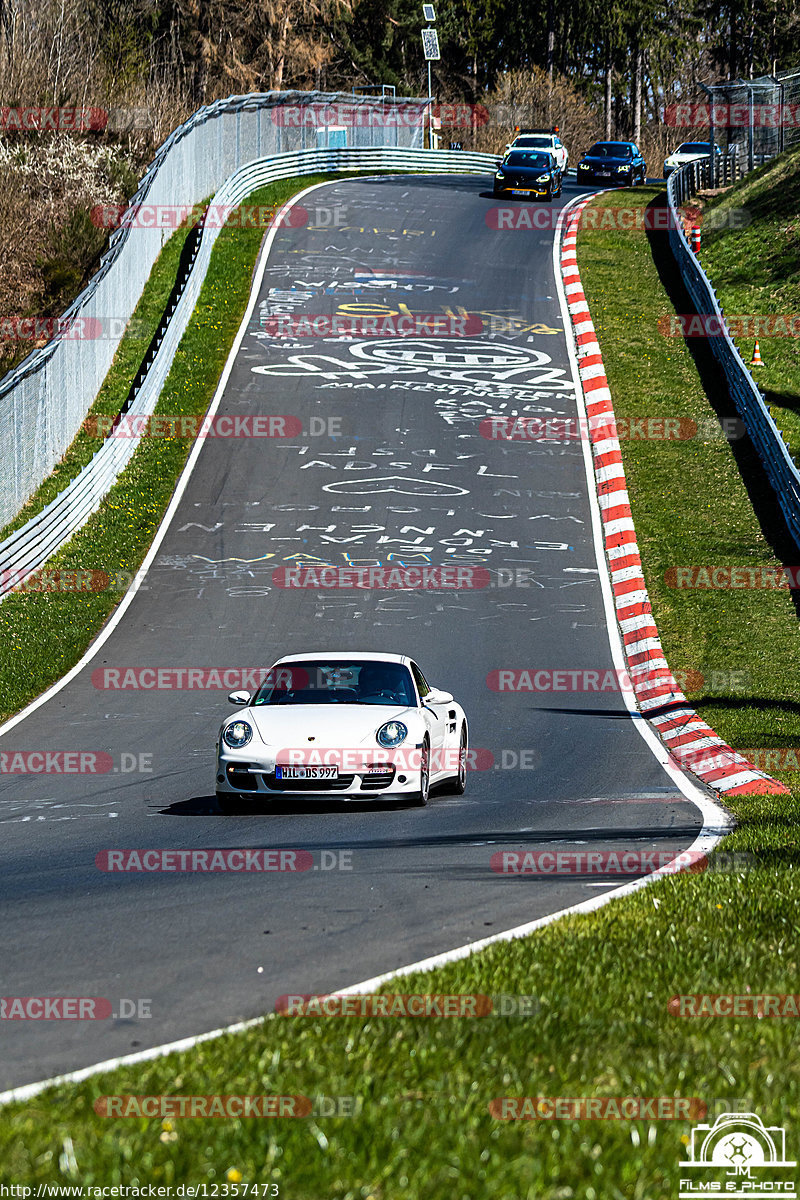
(357, 726)
(688, 152)
(541, 139)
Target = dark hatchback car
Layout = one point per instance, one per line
(612, 162)
(528, 173)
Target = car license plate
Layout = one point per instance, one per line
(605, 174)
(306, 772)
(520, 191)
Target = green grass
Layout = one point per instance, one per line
(117, 382)
(603, 1028)
(43, 634)
(603, 981)
(690, 503)
(755, 270)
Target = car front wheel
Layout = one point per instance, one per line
(424, 792)
(458, 784)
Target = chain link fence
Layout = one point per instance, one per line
(43, 401)
(748, 121)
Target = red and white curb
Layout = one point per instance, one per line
(692, 743)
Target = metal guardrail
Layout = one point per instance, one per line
(781, 469)
(44, 400)
(26, 550)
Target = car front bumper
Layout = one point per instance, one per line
(238, 775)
(593, 176)
(502, 189)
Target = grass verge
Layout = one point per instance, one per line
(602, 1025)
(755, 269)
(699, 501)
(43, 634)
(117, 382)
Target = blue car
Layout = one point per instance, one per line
(612, 162)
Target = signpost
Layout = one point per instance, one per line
(430, 48)
(431, 51)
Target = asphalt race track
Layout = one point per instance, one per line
(391, 467)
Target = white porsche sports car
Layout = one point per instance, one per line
(353, 725)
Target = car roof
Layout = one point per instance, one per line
(345, 656)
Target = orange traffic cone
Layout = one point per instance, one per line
(756, 360)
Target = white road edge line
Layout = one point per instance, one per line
(183, 481)
(716, 821)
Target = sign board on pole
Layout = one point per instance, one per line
(430, 45)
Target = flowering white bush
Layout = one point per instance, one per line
(63, 164)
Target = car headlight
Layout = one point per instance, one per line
(624, 167)
(542, 178)
(391, 734)
(499, 175)
(237, 734)
(583, 166)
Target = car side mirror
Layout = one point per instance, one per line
(239, 697)
(436, 696)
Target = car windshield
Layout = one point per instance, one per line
(321, 681)
(610, 150)
(694, 148)
(533, 141)
(529, 158)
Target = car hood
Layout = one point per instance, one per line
(685, 157)
(596, 160)
(525, 171)
(330, 725)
